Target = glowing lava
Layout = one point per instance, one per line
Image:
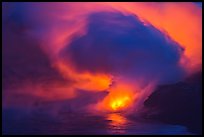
(119, 103)
(120, 97)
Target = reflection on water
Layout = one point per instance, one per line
(80, 123)
(117, 124)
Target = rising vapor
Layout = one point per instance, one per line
(123, 49)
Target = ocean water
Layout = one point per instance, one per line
(83, 123)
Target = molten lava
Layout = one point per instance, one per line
(120, 97)
(119, 103)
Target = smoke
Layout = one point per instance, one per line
(54, 50)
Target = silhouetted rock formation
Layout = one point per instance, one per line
(179, 103)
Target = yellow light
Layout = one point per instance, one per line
(121, 96)
(119, 103)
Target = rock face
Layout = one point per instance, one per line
(179, 103)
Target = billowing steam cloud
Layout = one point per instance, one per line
(124, 48)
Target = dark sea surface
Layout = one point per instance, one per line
(21, 122)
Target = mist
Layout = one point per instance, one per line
(96, 57)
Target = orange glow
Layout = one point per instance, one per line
(169, 17)
(119, 98)
(116, 119)
(117, 122)
(119, 102)
(181, 21)
(85, 81)
(61, 23)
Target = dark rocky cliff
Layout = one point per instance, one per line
(179, 103)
